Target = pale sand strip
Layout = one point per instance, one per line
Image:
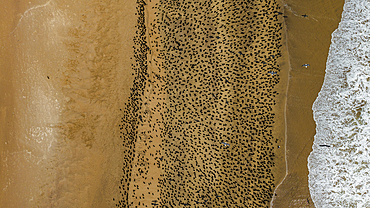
(35, 105)
(70, 75)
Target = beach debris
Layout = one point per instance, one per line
(272, 73)
(305, 15)
(225, 143)
(324, 145)
(306, 65)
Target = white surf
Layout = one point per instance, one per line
(339, 174)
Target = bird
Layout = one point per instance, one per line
(272, 73)
(306, 65)
(305, 15)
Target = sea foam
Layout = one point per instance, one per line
(339, 174)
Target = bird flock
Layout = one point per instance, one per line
(201, 108)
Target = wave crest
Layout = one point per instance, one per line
(339, 174)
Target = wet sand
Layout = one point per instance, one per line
(308, 42)
(108, 104)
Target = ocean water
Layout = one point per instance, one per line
(339, 174)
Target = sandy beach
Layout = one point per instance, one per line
(156, 103)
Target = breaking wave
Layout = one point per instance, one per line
(339, 174)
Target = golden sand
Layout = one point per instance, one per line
(63, 81)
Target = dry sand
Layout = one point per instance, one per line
(308, 42)
(65, 72)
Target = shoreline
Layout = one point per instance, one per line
(308, 41)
